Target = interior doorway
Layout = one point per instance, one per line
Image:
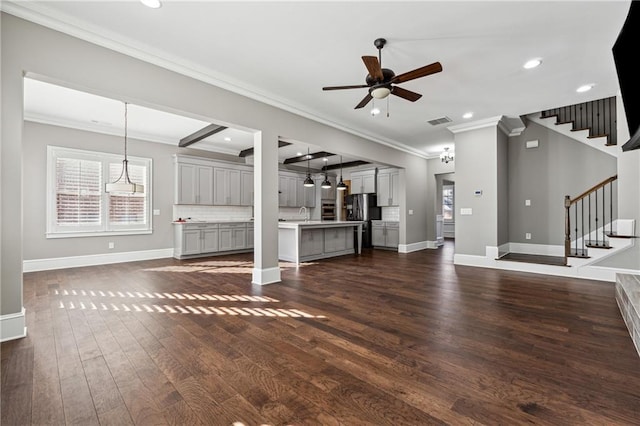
(445, 206)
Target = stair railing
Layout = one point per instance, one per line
(599, 117)
(594, 200)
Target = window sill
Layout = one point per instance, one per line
(96, 234)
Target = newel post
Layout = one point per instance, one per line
(567, 228)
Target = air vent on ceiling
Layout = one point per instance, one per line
(441, 120)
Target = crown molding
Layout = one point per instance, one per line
(39, 14)
(511, 126)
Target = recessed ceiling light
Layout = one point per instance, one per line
(227, 139)
(532, 63)
(153, 4)
(298, 154)
(467, 115)
(375, 111)
(584, 88)
(325, 159)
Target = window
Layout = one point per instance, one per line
(77, 204)
(447, 202)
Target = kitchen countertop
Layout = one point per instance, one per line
(318, 223)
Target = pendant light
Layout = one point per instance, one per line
(326, 184)
(308, 182)
(123, 184)
(341, 186)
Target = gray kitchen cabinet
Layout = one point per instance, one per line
(226, 187)
(311, 242)
(329, 193)
(385, 234)
(233, 236)
(250, 235)
(246, 188)
(194, 184)
(293, 193)
(388, 187)
(195, 238)
(335, 239)
(363, 182)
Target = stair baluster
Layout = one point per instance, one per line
(583, 231)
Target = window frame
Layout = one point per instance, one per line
(54, 230)
(452, 205)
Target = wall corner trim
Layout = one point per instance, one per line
(13, 326)
(266, 276)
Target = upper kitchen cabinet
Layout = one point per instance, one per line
(388, 187)
(246, 188)
(227, 186)
(328, 193)
(293, 193)
(193, 184)
(363, 182)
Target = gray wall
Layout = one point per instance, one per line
(36, 50)
(476, 169)
(559, 166)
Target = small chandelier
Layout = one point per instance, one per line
(123, 184)
(446, 156)
(308, 182)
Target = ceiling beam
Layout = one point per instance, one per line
(346, 165)
(203, 133)
(249, 151)
(305, 157)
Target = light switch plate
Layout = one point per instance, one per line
(410, 212)
(156, 212)
(466, 211)
(527, 202)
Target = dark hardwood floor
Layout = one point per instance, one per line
(380, 339)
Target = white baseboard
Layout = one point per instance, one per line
(408, 248)
(34, 265)
(13, 326)
(266, 276)
(540, 249)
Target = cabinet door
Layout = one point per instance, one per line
(377, 236)
(246, 188)
(335, 240)
(369, 183)
(233, 187)
(394, 188)
(191, 241)
(250, 236)
(186, 178)
(393, 237)
(239, 238)
(329, 193)
(311, 242)
(226, 239)
(209, 240)
(220, 187)
(204, 192)
(283, 190)
(309, 195)
(356, 184)
(384, 189)
(293, 186)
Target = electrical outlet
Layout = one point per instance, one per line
(527, 202)
(527, 236)
(111, 244)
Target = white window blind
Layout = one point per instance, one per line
(77, 203)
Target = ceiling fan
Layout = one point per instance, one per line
(382, 81)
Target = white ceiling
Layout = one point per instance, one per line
(283, 53)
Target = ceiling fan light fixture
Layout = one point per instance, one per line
(380, 92)
(447, 156)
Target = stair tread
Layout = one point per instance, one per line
(615, 235)
(534, 258)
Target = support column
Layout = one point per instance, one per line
(265, 179)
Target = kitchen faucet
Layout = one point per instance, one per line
(306, 214)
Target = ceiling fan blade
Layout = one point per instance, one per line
(418, 72)
(406, 94)
(357, 86)
(364, 101)
(373, 66)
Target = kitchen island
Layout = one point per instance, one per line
(302, 241)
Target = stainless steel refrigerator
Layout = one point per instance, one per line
(364, 207)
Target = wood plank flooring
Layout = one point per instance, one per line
(377, 339)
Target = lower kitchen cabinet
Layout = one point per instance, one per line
(207, 239)
(385, 234)
(311, 242)
(338, 239)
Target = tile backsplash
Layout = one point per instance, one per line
(391, 214)
(212, 212)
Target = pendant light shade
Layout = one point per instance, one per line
(326, 184)
(123, 184)
(308, 182)
(341, 186)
